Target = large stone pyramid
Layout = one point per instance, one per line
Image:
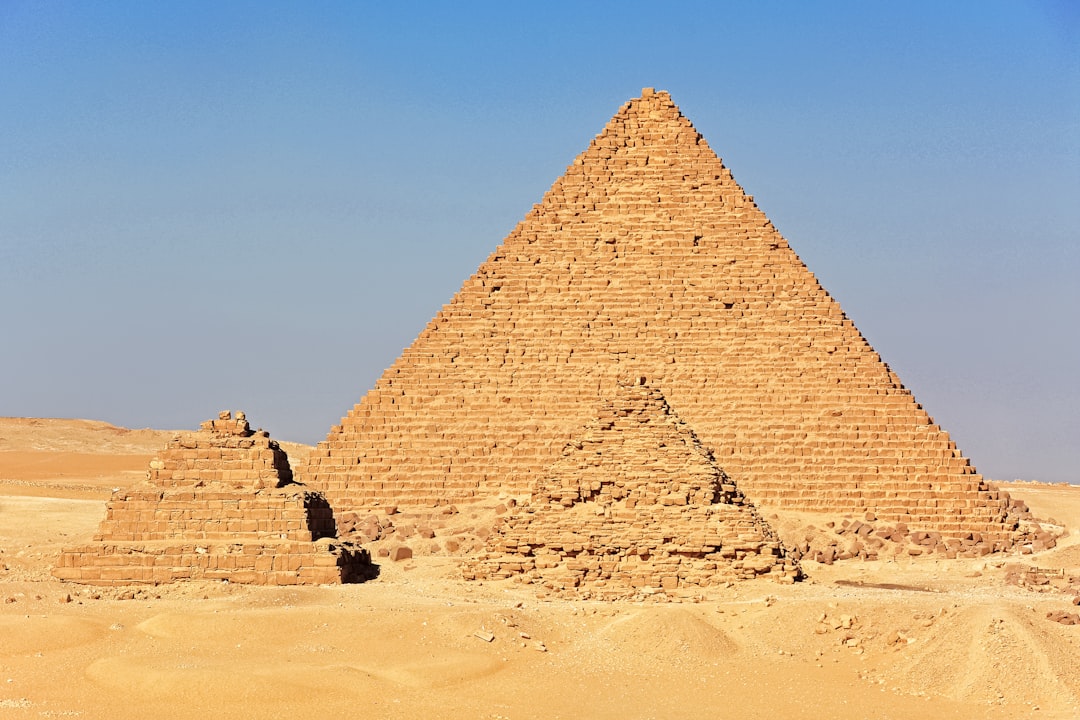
(634, 501)
(646, 257)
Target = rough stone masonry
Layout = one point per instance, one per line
(217, 504)
(634, 503)
(646, 257)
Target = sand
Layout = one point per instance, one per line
(913, 638)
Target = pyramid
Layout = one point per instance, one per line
(647, 257)
(219, 504)
(633, 502)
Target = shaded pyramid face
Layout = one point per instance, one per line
(646, 257)
(634, 501)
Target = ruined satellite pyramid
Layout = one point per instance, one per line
(647, 258)
(633, 502)
(218, 504)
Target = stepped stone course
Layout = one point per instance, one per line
(217, 504)
(647, 257)
(634, 502)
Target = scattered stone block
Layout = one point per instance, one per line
(1065, 618)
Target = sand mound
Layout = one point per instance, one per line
(986, 655)
(668, 633)
(40, 633)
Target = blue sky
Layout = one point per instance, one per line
(257, 205)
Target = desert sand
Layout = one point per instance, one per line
(907, 638)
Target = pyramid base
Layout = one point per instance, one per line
(612, 577)
(266, 563)
(577, 550)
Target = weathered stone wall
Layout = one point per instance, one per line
(647, 257)
(634, 502)
(267, 563)
(217, 504)
(217, 513)
(225, 450)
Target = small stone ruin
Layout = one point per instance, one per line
(218, 504)
(635, 504)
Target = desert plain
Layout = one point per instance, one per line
(906, 637)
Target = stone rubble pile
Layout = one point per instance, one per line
(634, 504)
(870, 539)
(1044, 579)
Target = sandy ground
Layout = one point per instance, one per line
(915, 638)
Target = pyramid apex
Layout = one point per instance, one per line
(646, 125)
(648, 93)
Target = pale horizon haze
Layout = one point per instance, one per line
(257, 205)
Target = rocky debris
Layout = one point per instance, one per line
(1044, 579)
(1063, 617)
(438, 531)
(871, 539)
(845, 627)
(899, 638)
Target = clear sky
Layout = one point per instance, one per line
(258, 205)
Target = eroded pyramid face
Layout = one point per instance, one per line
(646, 257)
(633, 503)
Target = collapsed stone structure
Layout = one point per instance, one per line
(647, 256)
(218, 504)
(634, 502)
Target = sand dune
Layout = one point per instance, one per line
(907, 638)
